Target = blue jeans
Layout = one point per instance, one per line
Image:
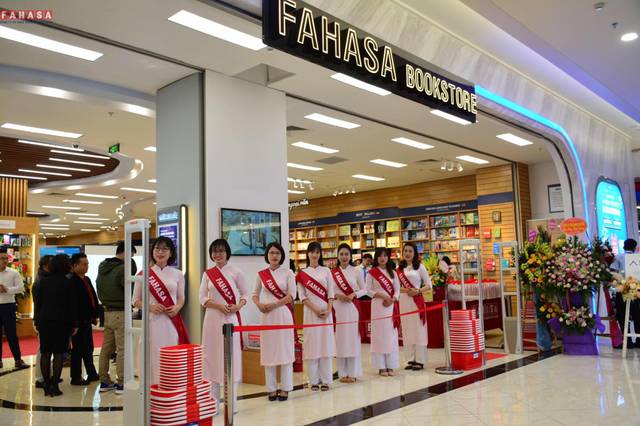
(8, 322)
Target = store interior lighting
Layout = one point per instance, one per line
(39, 130)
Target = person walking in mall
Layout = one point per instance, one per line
(166, 299)
(315, 290)
(273, 295)
(629, 247)
(384, 288)
(223, 292)
(414, 282)
(43, 271)
(110, 283)
(10, 285)
(82, 341)
(56, 318)
(348, 286)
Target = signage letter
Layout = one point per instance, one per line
(307, 29)
(284, 16)
(328, 36)
(351, 47)
(371, 63)
(410, 74)
(388, 65)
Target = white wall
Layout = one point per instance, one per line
(98, 253)
(246, 160)
(540, 176)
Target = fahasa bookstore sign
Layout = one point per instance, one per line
(301, 30)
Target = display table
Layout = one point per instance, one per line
(492, 307)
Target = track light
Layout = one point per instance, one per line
(353, 189)
(311, 188)
(295, 184)
(460, 167)
(443, 167)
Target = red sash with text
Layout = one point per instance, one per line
(418, 298)
(224, 288)
(343, 284)
(387, 286)
(270, 284)
(311, 284)
(159, 291)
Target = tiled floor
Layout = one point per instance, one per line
(561, 390)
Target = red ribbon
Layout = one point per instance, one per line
(160, 292)
(224, 288)
(311, 284)
(270, 284)
(193, 413)
(387, 286)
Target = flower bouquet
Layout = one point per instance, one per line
(577, 320)
(628, 287)
(438, 278)
(548, 310)
(533, 258)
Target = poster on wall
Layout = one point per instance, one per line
(171, 223)
(611, 214)
(554, 194)
(248, 232)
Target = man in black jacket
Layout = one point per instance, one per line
(82, 341)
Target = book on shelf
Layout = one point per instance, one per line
(443, 221)
(381, 242)
(380, 228)
(393, 225)
(393, 241)
(344, 230)
(356, 245)
(369, 228)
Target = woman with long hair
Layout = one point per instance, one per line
(414, 282)
(315, 290)
(166, 299)
(384, 289)
(223, 292)
(348, 286)
(274, 294)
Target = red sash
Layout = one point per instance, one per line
(270, 284)
(387, 286)
(418, 298)
(311, 284)
(159, 291)
(343, 284)
(224, 288)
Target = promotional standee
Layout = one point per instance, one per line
(172, 223)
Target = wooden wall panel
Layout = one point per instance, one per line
(494, 180)
(461, 188)
(13, 197)
(525, 195)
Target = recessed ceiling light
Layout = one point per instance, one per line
(471, 159)
(73, 169)
(36, 213)
(516, 140)
(87, 222)
(38, 191)
(54, 228)
(82, 202)
(412, 143)
(23, 177)
(152, 181)
(84, 194)
(293, 191)
(44, 173)
(214, 29)
(388, 163)
(331, 121)
(367, 177)
(89, 230)
(298, 180)
(48, 44)
(50, 145)
(84, 163)
(360, 84)
(101, 157)
(39, 130)
(62, 207)
(450, 117)
(303, 167)
(312, 147)
(629, 36)
(100, 219)
(150, 148)
(82, 214)
(150, 191)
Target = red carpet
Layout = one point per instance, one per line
(492, 355)
(29, 345)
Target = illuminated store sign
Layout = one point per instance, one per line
(299, 29)
(172, 223)
(610, 211)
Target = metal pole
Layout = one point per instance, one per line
(447, 369)
(229, 397)
(625, 334)
(145, 322)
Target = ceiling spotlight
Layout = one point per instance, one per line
(340, 192)
(443, 167)
(295, 184)
(450, 166)
(353, 189)
(300, 183)
(599, 6)
(335, 193)
(311, 188)
(460, 167)
(629, 36)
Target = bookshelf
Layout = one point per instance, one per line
(435, 233)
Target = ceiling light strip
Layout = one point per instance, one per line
(40, 130)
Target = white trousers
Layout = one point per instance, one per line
(385, 361)
(319, 371)
(349, 367)
(416, 353)
(286, 377)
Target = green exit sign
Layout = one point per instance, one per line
(114, 148)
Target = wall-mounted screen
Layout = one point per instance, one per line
(53, 250)
(248, 232)
(610, 212)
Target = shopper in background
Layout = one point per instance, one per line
(315, 289)
(365, 265)
(82, 341)
(223, 292)
(110, 283)
(166, 299)
(10, 285)
(274, 294)
(629, 247)
(43, 271)
(414, 282)
(56, 318)
(348, 286)
(383, 286)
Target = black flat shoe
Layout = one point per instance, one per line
(54, 390)
(283, 396)
(80, 382)
(410, 366)
(92, 379)
(324, 388)
(39, 385)
(315, 387)
(273, 396)
(417, 367)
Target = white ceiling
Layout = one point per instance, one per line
(121, 21)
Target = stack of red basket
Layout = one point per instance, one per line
(467, 341)
(182, 396)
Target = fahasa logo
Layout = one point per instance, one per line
(26, 15)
